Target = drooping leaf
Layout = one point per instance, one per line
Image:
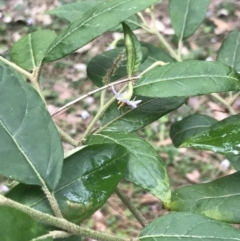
(222, 137)
(235, 161)
(30, 146)
(219, 199)
(229, 52)
(29, 51)
(133, 49)
(190, 126)
(187, 226)
(76, 10)
(89, 177)
(149, 110)
(145, 167)
(109, 66)
(154, 54)
(92, 24)
(188, 78)
(187, 16)
(16, 225)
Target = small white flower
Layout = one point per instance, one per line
(120, 97)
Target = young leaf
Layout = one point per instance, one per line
(188, 78)
(145, 168)
(190, 126)
(30, 150)
(29, 51)
(218, 199)
(187, 16)
(133, 49)
(16, 225)
(229, 52)
(109, 66)
(89, 177)
(149, 110)
(222, 137)
(187, 226)
(92, 24)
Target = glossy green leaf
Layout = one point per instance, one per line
(187, 16)
(145, 167)
(29, 51)
(149, 110)
(133, 50)
(16, 225)
(190, 126)
(109, 66)
(219, 199)
(229, 52)
(154, 54)
(76, 10)
(92, 24)
(235, 161)
(188, 227)
(89, 177)
(30, 148)
(188, 78)
(222, 137)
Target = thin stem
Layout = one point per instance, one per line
(36, 72)
(17, 68)
(102, 99)
(60, 223)
(67, 138)
(91, 93)
(136, 213)
(53, 234)
(225, 103)
(180, 45)
(53, 202)
(234, 98)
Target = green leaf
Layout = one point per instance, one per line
(219, 199)
(222, 137)
(74, 11)
(145, 167)
(89, 177)
(71, 238)
(149, 110)
(188, 227)
(16, 225)
(30, 149)
(154, 54)
(92, 24)
(188, 78)
(229, 52)
(235, 161)
(29, 51)
(187, 16)
(133, 49)
(109, 66)
(188, 127)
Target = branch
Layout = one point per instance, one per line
(67, 138)
(17, 68)
(54, 235)
(93, 92)
(136, 213)
(60, 223)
